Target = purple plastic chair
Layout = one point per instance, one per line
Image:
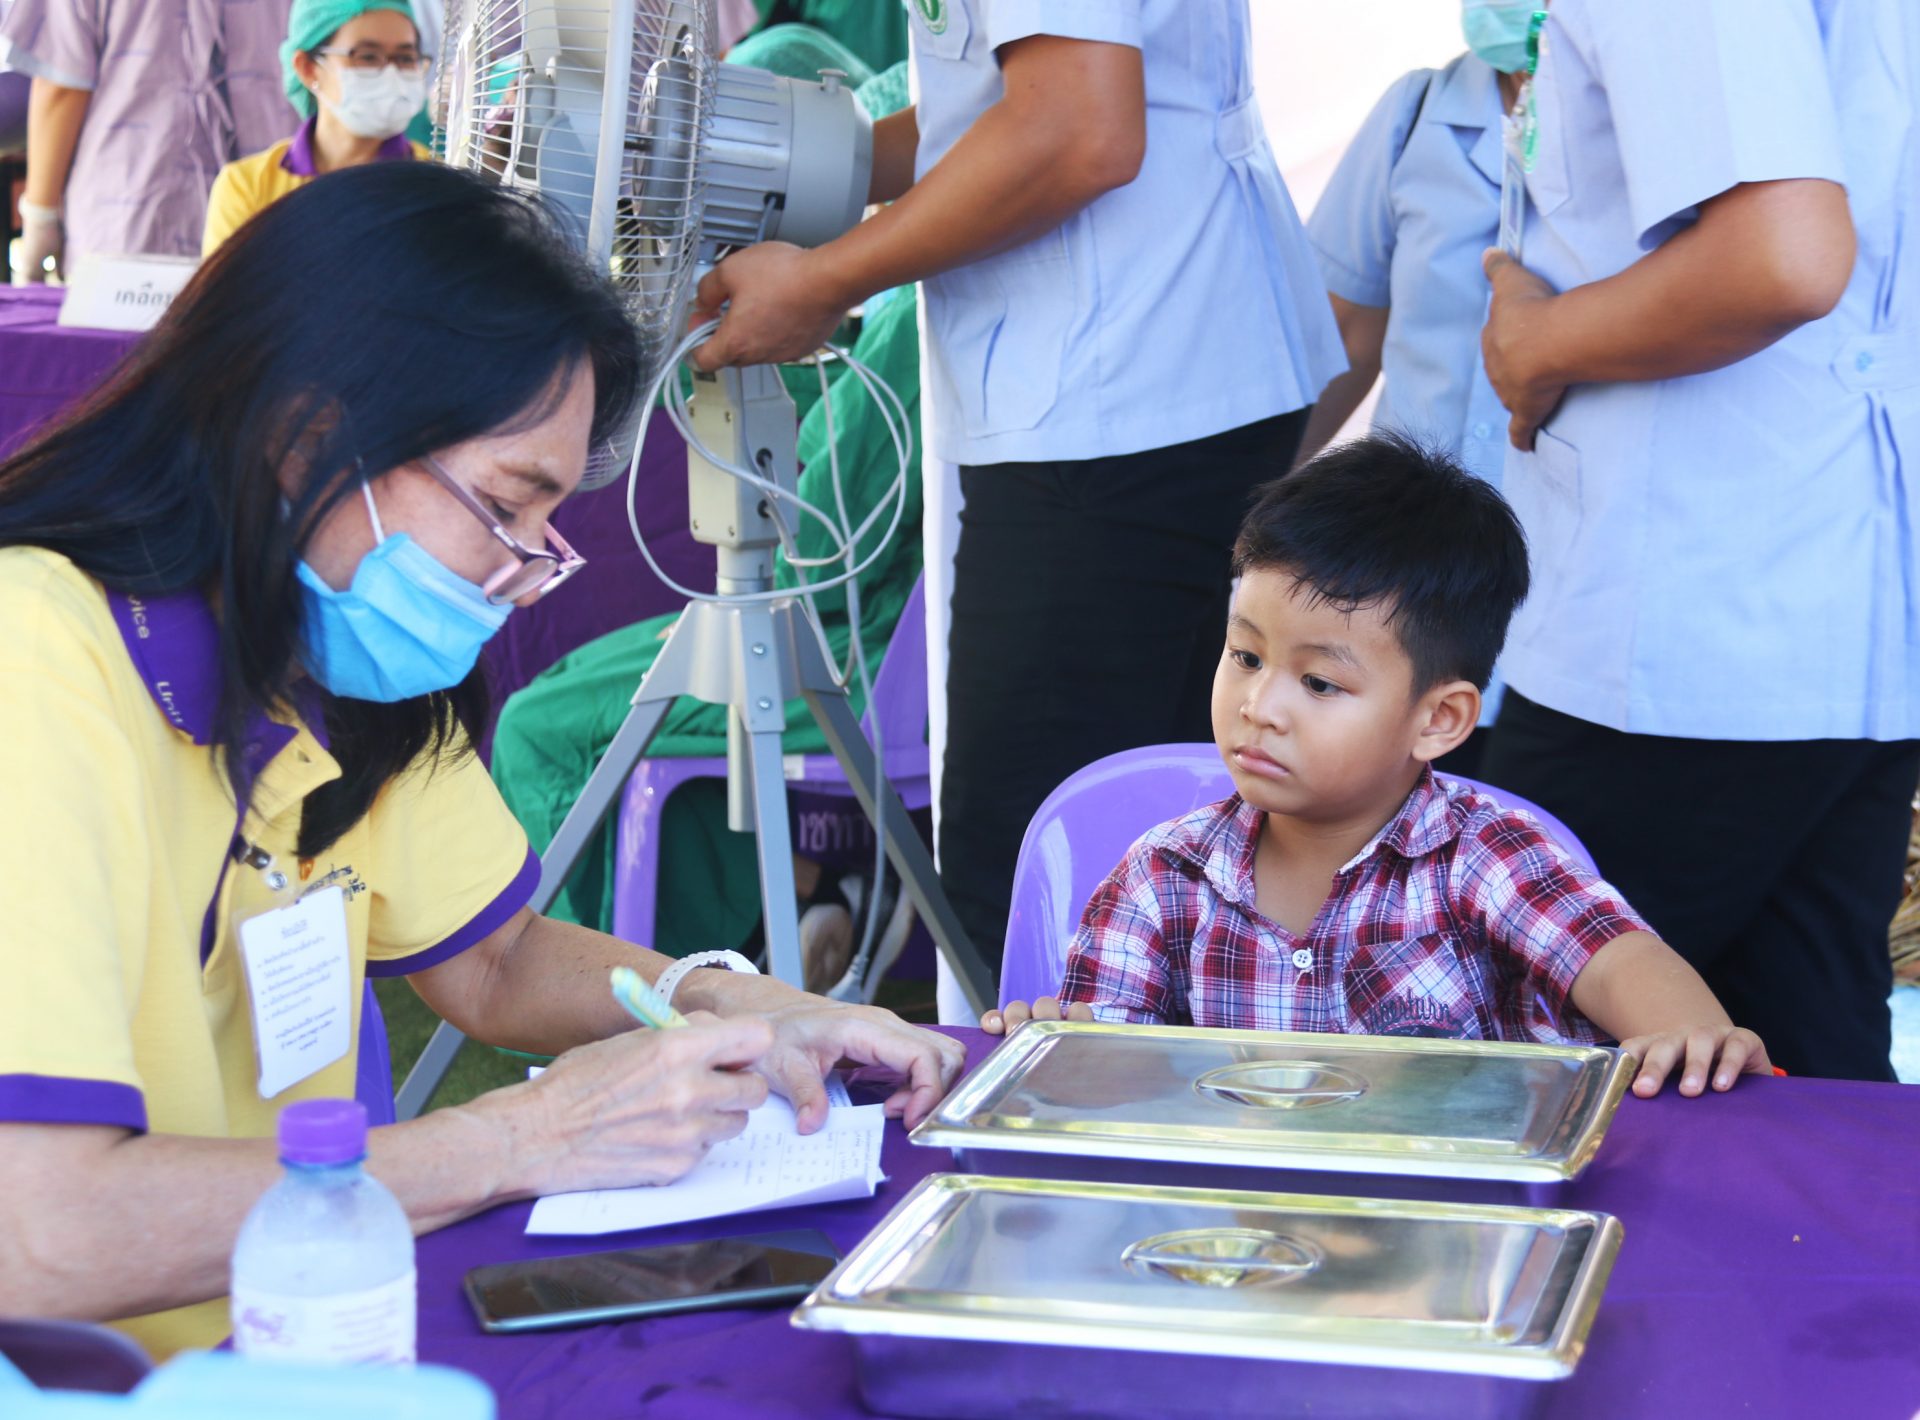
(1086, 826)
(73, 1355)
(900, 708)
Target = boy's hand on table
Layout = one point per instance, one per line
(1736, 1050)
(1017, 1013)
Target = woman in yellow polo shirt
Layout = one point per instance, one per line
(242, 594)
(355, 71)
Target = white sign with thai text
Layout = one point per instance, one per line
(124, 292)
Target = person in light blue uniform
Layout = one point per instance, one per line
(1125, 325)
(1399, 233)
(1710, 352)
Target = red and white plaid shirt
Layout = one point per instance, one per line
(1460, 918)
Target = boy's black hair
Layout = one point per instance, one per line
(1385, 521)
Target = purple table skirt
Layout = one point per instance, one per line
(1771, 1267)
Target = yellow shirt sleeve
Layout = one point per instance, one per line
(452, 865)
(74, 862)
(229, 205)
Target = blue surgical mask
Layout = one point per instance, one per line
(405, 627)
(1496, 30)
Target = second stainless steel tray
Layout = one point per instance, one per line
(989, 1296)
(1348, 1104)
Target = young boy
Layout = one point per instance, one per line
(1344, 887)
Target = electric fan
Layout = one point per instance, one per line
(617, 113)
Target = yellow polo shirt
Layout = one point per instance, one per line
(250, 184)
(122, 996)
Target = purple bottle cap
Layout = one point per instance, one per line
(323, 1132)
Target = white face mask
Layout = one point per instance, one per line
(380, 104)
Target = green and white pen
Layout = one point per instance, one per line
(642, 1002)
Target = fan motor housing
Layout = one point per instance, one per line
(784, 159)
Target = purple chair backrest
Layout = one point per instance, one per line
(900, 685)
(73, 1355)
(1086, 827)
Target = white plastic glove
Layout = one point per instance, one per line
(42, 235)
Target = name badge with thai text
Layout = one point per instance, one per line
(299, 972)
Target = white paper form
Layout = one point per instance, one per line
(768, 1165)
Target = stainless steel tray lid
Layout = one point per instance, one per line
(1486, 1290)
(1451, 1108)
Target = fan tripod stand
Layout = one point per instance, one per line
(752, 657)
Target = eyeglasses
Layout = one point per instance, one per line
(537, 572)
(370, 59)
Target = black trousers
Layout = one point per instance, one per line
(1774, 868)
(1089, 607)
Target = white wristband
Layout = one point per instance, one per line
(32, 212)
(671, 978)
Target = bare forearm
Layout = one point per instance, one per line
(1333, 409)
(1363, 331)
(896, 142)
(1008, 179)
(1637, 985)
(541, 986)
(1762, 260)
(1070, 126)
(108, 1224)
(54, 116)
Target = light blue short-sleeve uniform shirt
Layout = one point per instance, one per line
(1402, 224)
(1182, 305)
(1731, 555)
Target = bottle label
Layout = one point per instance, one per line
(374, 1327)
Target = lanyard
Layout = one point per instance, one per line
(1520, 142)
(1529, 108)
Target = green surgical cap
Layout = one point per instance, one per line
(308, 27)
(799, 52)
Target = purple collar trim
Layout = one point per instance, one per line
(174, 641)
(175, 645)
(299, 158)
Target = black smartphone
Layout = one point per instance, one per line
(583, 1288)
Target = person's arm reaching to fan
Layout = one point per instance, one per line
(1071, 126)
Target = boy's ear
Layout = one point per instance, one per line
(1446, 716)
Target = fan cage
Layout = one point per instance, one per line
(521, 97)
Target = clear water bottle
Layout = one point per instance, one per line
(323, 1271)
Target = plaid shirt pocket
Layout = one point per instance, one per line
(1426, 985)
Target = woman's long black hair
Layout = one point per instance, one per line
(375, 315)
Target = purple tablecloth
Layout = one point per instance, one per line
(1771, 1268)
(45, 366)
